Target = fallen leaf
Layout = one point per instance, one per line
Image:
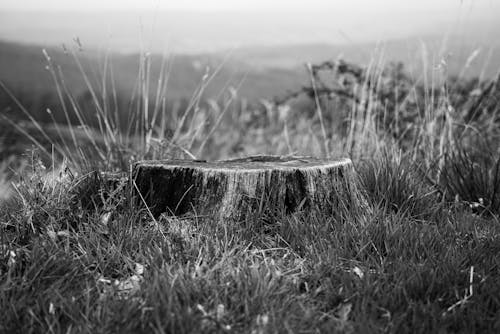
(129, 286)
(12, 259)
(343, 312)
(358, 272)
(220, 312)
(139, 269)
(52, 309)
(105, 218)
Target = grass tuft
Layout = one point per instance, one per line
(473, 176)
(398, 184)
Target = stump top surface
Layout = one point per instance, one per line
(250, 163)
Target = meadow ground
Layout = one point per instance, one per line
(79, 255)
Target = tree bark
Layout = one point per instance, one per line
(234, 189)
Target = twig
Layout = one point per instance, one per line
(468, 294)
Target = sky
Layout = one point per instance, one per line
(229, 5)
(209, 25)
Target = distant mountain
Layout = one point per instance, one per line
(466, 55)
(257, 72)
(23, 67)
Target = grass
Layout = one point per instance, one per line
(474, 179)
(80, 253)
(111, 268)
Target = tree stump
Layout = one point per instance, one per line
(233, 189)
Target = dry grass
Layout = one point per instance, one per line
(80, 255)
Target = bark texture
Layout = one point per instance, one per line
(232, 189)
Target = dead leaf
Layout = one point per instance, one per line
(105, 218)
(129, 286)
(343, 312)
(139, 269)
(358, 272)
(12, 259)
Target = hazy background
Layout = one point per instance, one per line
(262, 44)
(256, 50)
(205, 26)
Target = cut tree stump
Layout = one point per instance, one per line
(233, 189)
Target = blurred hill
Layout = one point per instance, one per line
(23, 68)
(466, 55)
(24, 71)
(256, 72)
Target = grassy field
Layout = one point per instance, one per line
(80, 254)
